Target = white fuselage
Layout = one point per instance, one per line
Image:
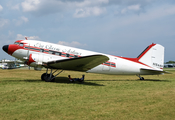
(44, 53)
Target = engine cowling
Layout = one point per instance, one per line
(35, 60)
(30, 60)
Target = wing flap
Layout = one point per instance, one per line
(78, 64)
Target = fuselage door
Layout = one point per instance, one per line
(109, 65)
(106, 66)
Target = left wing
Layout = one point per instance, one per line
(78, 64)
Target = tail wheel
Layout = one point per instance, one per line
(141, 78)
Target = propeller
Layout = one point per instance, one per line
(27, 57)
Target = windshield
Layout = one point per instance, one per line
(17, 43)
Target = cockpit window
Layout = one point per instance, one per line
(21, 44)
(16, 43)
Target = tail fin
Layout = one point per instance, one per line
(153, 56)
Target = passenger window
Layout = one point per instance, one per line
(53, 52)
(41, 50)
(67, 55)
(75, 56)
(46, 51)
(50, 52)
(71, 56)
(63, 54)
(58, 53)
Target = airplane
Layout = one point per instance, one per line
(4, 66)
(39, 54)
(11, 64)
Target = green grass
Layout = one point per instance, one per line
(23, 96)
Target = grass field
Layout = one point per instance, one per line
(23, 96)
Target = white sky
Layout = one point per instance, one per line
(117, 27)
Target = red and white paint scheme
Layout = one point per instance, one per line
(40, 54)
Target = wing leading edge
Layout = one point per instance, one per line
(78, 64)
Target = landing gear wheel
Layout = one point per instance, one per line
(43, 76)
(46, 77)
(49, 77)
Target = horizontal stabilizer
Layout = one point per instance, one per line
(79, 64)
(153, 72)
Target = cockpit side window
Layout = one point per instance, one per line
(16, 43)
(21, 44)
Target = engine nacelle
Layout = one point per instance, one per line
(39, 68)
(36, 60)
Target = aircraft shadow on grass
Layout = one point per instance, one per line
(156, 80)
(58, 80)
(153, 80)
(86, 82)
(66, 80)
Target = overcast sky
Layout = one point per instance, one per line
(116, 27)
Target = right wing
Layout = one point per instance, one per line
(78, 64)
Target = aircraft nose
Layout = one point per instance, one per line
(5, 48)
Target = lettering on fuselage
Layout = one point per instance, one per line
(158, 65)
(71, 52)
(50, 47)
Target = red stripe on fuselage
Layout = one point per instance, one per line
(12, 48)
(136, 60)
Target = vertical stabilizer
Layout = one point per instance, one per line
(153, 56)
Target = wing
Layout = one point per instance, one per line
(78, 64)
(7, 61)
(11, 61)
(153, 72)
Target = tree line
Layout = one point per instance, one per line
(170, 62)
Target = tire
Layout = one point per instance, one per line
(43, 76)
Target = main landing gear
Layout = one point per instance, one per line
(49, 77)
(141, 78)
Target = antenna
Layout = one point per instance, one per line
(26, 38)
